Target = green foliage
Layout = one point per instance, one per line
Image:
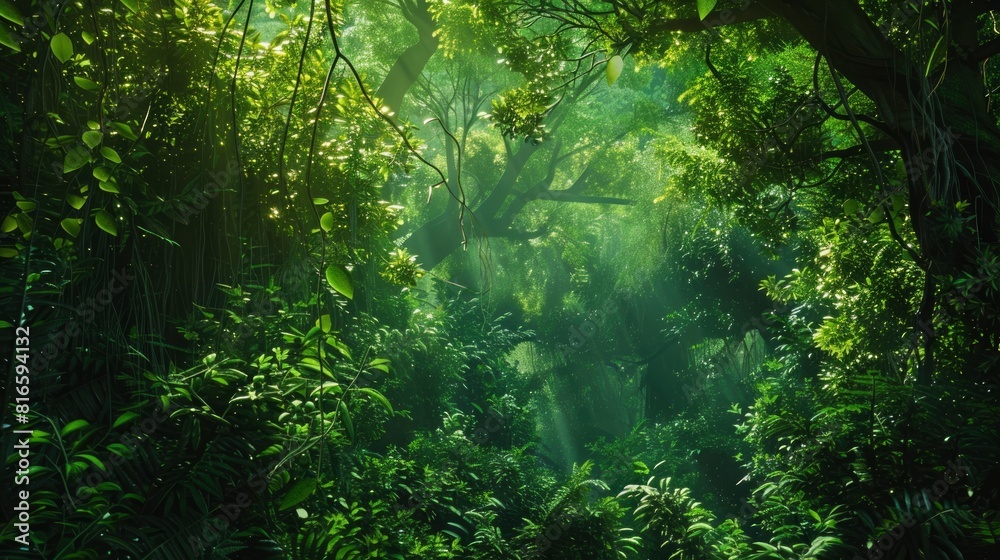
(257, 337)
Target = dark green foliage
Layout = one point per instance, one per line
(732, 290)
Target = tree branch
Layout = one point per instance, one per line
(986, 50)
(752, 12)
(566, 196)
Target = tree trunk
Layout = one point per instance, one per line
(411, 63)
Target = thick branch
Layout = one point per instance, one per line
(520, 235)
(882, 145)
(411, 63)
(987, 50)
(567, 196)
(715, 19)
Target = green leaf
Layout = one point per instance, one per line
(9, 38)
(86, 83)
(8, 252)
(106, 222)
(132, 5)
(87, 37)
(9, 224)
(340, 280)
(851, 206)
(345, 417)
(102, 173)
(110, 155)
(76, 158)
(92, 138)
(124, 129)
(93, 460)
(26, 205)
(108, 187)
(326, 221)
(10, 12)
(705, 7)
(324, 323)
(377, 397)
(71, 225)
(62, 47)
(124, 418)
(76, 202)
(938, 55)
(614, 69)
(72, 427)
(302, 490)
(321, 201)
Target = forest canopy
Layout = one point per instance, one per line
(500, 279)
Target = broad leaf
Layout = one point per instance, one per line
(75, 159)
(614, 69)
(705, 7)
(326, 221)
(10, 12)
(71, 226)
(340, 280)
(92, 138)
(86, 83)
(302, 490)
(106, 222)
(62, 47)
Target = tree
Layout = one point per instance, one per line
(906, 83)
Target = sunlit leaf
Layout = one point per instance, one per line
(614, 69)
(124, 418)
(705, 7)
(92, 138)
(75, 202)
(71, 225)
(76, 158)
(9, 38)
(62, 47)
(110, 155)
(10, 12)
(340, 281)
(106, 222)
(326, 221)
(86, 83)
(73, 426)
